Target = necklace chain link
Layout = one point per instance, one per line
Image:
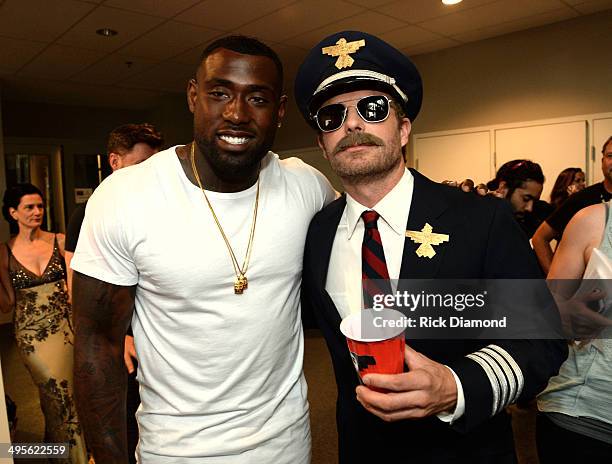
(241, 282)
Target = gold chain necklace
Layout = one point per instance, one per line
(241, 283)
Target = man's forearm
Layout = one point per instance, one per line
(100, 386)
(541, 245)
(543, 252)
(102, 313)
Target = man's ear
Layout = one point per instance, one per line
(114, 160)
(192, 94)
(405, 128)
(321, 146)
(282, 108)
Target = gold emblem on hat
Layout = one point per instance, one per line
(342, 49)
(426, 237)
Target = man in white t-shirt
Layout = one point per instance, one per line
(206, 239)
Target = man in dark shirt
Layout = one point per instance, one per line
(127, 145)
(530, 221)
(554, 226)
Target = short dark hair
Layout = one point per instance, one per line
(247, 46)
(123, 138)
(603, 149)
(13, 195)
(399, 111)
(515, 173)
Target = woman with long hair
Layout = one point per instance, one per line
(570, 180)
(32, 277)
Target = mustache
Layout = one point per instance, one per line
(357, 138)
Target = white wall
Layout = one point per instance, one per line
(555, 144)
(559, 70)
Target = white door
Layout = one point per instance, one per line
(554, 147)
(455, 156)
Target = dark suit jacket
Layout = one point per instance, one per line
(485, 242)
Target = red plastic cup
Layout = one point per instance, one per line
(375, 350)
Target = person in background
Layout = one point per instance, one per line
(575, 420)
(361, 96)
(33, 281)
(554, 225)
(520, 182)
(127, 145)
(569, 181)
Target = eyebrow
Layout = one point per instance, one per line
(252, 87)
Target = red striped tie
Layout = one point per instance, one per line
(374, 272)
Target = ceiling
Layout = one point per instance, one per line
(49, 49)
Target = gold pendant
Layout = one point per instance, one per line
(426, 237)
(241, 284)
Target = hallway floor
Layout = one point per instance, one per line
(321, 394)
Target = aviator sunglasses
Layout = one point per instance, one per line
(373, 108)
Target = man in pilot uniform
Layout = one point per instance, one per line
(361, 95)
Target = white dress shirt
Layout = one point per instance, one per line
(344, 273)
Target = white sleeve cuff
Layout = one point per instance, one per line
(459, 408)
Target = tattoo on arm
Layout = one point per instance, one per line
(102, 314)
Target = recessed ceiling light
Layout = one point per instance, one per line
(106, 32)
(451, 2)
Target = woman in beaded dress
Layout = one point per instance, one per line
(32, 276)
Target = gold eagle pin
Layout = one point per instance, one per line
(342, 49)
(426, 237)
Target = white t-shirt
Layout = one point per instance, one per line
(220, 374)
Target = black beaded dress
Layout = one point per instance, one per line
(43, 330)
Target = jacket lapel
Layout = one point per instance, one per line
(326, 233)
(427, 206)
